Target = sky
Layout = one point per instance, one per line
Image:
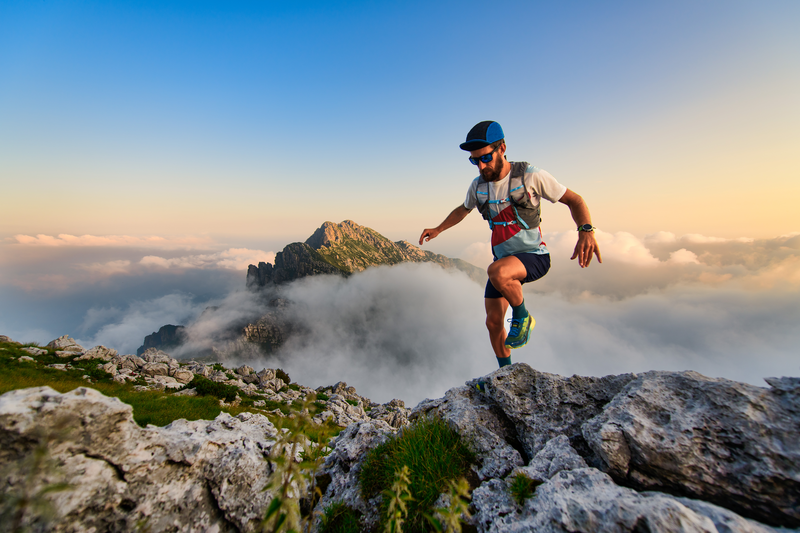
(150, 151)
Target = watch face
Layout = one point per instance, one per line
(586, 227)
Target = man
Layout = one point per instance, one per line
(508, 195)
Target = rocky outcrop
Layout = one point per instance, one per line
(729, 443)
(166, 338)
(297, 260)
(631, 453)
(343, 249)
(187, 476)
(657, 451)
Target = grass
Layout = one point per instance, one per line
(434, 455)
(149, 407)
(339, 518)
(521, 488)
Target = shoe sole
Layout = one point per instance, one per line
(527, 337)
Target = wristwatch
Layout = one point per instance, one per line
(586, 227)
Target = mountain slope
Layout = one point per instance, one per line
(343, 249)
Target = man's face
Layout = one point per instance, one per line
(492, 170)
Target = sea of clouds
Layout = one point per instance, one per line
(722, 307)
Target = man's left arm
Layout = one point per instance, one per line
(587, 244)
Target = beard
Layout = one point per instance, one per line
(493, 173)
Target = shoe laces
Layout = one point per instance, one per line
(516, 324)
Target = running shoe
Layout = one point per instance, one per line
(520, 331)
(481, 385)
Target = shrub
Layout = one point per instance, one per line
(279, 373)
(433, 453)
(321, 396)
(206, 387)
(354, 403)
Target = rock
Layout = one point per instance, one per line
(199, 369)
(155, 369)
(6, 338)
(483, 427)
(245, 370)
(182, 375)
(166, 338)
(587, 500)
(542, 406)
(729, 443)
(338, 477)
(159, 382)
(129, 362)
(188, 476)
(152, 355)
(60, 366)
(186, 392)
(34, 351)
(110, 368)
(65, 343)
(98, 352)
(26, 358)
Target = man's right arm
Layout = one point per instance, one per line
(455, 216)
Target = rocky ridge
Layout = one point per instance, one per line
(657, 451)
(343, 249)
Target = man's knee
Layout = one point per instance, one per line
(494, 321)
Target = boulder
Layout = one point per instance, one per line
(99, 352)
(65, 343)
(181, 375)
(725, 442)
(34, 350)
(188, 476)
(155, 369)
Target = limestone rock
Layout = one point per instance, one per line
(6, 338)
(542, 406)
(34, 351)
(98, 352)
(482, 425)
(65, 343)
(155, 369)
(721, 441)
(187, 476)
(587, 500)
(181, 375)
(338, 477)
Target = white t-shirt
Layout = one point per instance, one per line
(514, 239)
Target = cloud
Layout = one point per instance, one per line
(233, 258)
(64, 239)
(125, 330)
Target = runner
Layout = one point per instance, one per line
(508, 195)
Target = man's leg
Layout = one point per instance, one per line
(495, 323)
(506, 275)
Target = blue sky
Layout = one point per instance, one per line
(171, 109)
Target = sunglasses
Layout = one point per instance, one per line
(485, 158)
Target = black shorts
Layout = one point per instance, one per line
(536, 265)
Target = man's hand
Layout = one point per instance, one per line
(586, 247)
(456, 216)
(428, 234)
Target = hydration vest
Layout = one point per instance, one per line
(528, 216)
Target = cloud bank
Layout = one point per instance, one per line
(726, 308)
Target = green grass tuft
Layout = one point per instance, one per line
(339, 518)
(434, 455)
(521, 487)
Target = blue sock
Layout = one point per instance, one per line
(519, 311)
(503, 361)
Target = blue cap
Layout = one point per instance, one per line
(482, 134)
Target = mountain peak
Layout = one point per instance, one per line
(330, 234)
(343, 249)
